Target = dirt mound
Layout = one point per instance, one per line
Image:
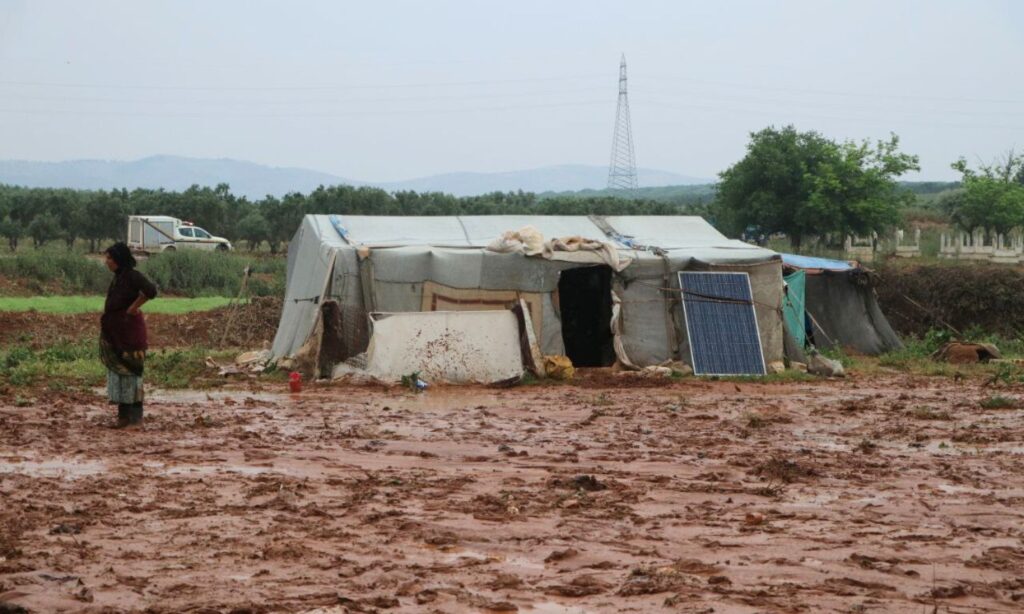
(919, 298)
(39, 330)
(241, 326)
(246, 325)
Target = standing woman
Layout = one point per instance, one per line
(123, 341)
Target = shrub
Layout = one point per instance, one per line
(197, 273)
(1001, 402)
(72, 271)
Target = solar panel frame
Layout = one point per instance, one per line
(695, 333)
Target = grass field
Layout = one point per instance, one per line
(88, 304)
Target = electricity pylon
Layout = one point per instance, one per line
(622, 170)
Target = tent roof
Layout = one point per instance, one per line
(669, 232)
(456, 231)
(810, 262)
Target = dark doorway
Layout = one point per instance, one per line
(332, 342)
(585, 301)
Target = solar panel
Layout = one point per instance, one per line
(721, 324)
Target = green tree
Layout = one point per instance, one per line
(284, 216)
(11, 230)
(804, 185)
(69, 208)
(254, 229)
(105, 217)
(43, 228)
(992, 196)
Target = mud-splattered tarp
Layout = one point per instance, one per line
(458, 347)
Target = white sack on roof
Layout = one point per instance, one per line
(527, 240)
(458, 347)
(530, 242)
(563, 249)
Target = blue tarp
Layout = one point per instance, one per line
(810, 262)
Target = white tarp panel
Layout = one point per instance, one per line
(674, 232)
(459, 231)
(457, 347)
(483, 229)
(379, 230)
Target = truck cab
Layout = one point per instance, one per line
(160, 233)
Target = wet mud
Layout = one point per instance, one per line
(890, 494)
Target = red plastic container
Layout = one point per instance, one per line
(295, 381)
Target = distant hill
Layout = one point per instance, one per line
(172, 173)
(562, 178)
(256, 180)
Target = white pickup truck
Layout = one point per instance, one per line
(160, 233)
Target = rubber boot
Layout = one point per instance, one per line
(124, 412)
(135, 414)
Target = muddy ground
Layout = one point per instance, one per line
(890, 494)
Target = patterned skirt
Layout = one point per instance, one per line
(124, 373)
(124, 389)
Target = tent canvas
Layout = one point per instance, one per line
(840, 299)
(846, 314)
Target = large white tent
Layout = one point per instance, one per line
(620, 303)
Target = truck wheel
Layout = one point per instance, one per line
(222, 248)
(170, 248)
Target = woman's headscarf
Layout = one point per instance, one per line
(121, 255)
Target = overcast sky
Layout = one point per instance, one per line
(389, 90)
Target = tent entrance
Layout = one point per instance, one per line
(585, 299)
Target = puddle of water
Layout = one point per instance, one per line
(55, 468)
(942, 448)
(523, 563)
(550, 607)
(203, 396)
(952, 489)
(454, 557)
(209, 469)
(815, 499)
(874, 500)
(821, 441)
(441, 400)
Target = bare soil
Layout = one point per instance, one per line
(889, 494)
(241, 326)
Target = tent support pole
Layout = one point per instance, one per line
(366, 281)
(670, 324)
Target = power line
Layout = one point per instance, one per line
(802, 114)
(291, 115)
(256, 102)
(826, 92)
(322, 87)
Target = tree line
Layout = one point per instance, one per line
(48, 214)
